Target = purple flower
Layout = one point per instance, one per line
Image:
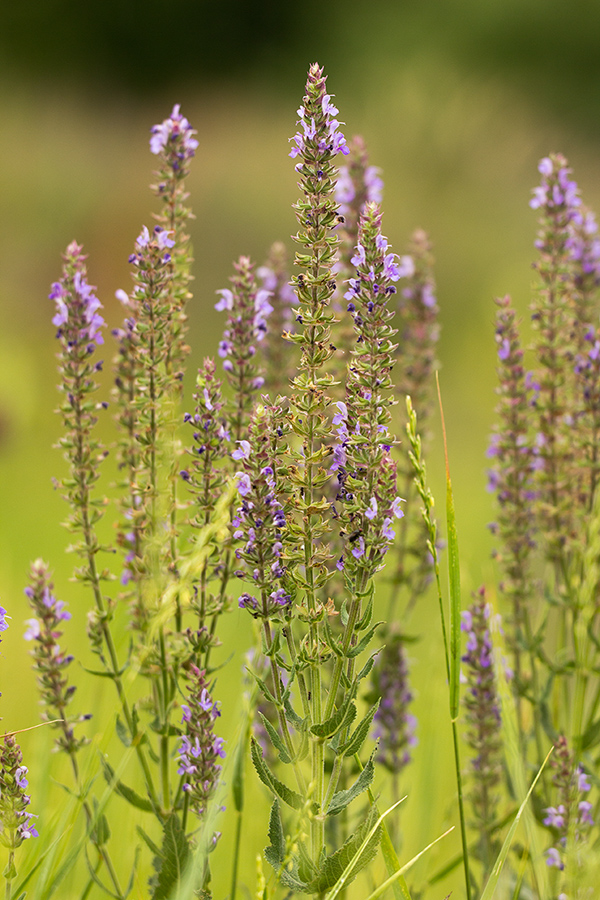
(243, 451)
(174, 133)
(553, 858)
(395, 726)
(16, 820)
(199, 747)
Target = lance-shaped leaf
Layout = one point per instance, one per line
(341, 800)
(360, 733)
(174, 856)
(332, 724)
(292, 798)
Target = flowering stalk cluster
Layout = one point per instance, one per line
(79, 331)
(248, 309)
(317, 143)
(15, 820)
(205, 478)
(511, 477)
(50, 662)
(260, 521)
(199, 749)
(483, 725)
(174, 143)
(558, 200)
(362, 459)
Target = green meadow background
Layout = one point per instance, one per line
(457, 101)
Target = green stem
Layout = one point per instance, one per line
(236, 854)
(461, 810)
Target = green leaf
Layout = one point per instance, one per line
(276, 740)
(288, 796)
(332, 724)
(123, 790)
(354, 855)
(360, 733)
(492, 883)
(276, 834)
(148, 841)
(366, 669)
(293, 717)
(341, 800)
(364, 641)
(175, 854)
(331, 640)
(398, 874)
(123, 732)
(590, 737)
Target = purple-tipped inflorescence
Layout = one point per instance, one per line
(571, 818)
(50, 662)
(149, 338)
(557, 199)
(174, 143)
(512, 474)
(174, 138)
(15, 820)
(318, 134)
(394, 723)
(275, 278)
(200, 750)
(248, 309)
(204, 476)
(260, 520)
(79, 325)
(483, 723)
(361, 456)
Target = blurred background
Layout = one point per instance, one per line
(457, 101)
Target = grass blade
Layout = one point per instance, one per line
(390, 881)
(492, 883)
(339, 885)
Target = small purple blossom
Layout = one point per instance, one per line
(174, 134)
(199, 748)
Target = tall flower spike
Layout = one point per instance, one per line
(50, 662)
(15, 820)
(317, 144)
(558, 200)
(174, 143)
(511, 477)
(248, 309)
(259, 521)
(205, 478)
(483, 720)
(79, 331)
(200, 750)
(126, 367)
(367, 476)
(150, 309)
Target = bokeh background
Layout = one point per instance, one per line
(457, 101)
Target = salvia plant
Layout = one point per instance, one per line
(290, 489)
